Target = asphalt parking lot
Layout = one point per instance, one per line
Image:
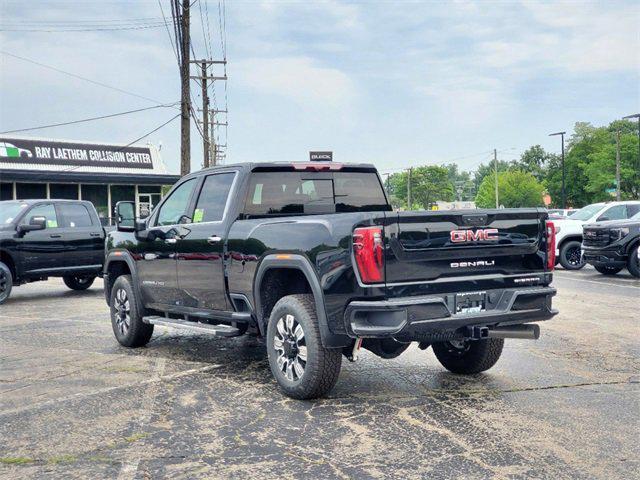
(74, 404)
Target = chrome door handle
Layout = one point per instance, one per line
(170, 241)
(55, 235)
(213, 239)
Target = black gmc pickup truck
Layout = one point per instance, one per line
(49, 238)
(312, 257)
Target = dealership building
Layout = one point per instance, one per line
(103, 174)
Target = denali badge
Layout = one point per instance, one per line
(476, 263)
(461, 236)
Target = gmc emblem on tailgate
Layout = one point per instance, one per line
(484, 234)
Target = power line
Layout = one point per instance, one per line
(104, 85)
(87, 119)
(74, 22)
(93, 29)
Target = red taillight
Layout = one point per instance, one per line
(551, 245)
(369, 253)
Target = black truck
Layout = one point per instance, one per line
(49, 238)
(613, 245)
(312, 257)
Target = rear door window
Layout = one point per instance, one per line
(213, 198)
(75, 215)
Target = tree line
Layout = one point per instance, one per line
(590, 172)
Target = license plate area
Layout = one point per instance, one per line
(472, 302)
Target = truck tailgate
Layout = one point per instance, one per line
(427, 246)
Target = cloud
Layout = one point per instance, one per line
(300, 79)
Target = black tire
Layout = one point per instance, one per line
(78, 283)
(320, 366)
(571, 255)
(470, 356)
(6, 282)
(606, 270)
(126, 318)
(633, 264)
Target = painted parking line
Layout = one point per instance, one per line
(599, 283)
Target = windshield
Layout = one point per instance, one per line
(585, 213)
(10, 210)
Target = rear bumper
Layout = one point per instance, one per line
(416, 318)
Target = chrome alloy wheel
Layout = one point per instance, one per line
(122, 311)
(291, 347)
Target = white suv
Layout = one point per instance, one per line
(569, 230)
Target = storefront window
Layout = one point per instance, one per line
(25, 191)
(6, 191)
(65, 191)
(149, 189)
(122, 193)
(97, 194)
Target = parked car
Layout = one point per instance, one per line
(569, 230)
(613, 245)
(561, 213)
(49, 238)
(312, 257)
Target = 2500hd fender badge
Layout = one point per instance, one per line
(476, 263)
(483, 234)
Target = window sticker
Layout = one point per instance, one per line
(52, 224)
(198, 215)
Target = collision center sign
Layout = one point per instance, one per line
(47, 152)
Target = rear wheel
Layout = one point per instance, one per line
(126, 319)
(606, 270)
(633, 264)
(571, 255)
(302, 367)
(469, 356)
(78, 283)
(6, 282)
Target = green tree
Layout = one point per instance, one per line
(515, 189)
(489, 169)
(535, 160)
(429, 184)
(463, 184)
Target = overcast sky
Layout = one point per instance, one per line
(392, 83)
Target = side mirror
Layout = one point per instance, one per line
(125, 216)
(35, 223)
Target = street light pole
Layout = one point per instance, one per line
(564, 197)
(636, 115)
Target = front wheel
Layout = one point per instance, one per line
(126, 318)
(606, 270)
(302, 367)
(78, 283)
(6, 282)
(469, 356)
(633, 264)
(571, 255)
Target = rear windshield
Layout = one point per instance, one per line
(285, 193)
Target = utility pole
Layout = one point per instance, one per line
(618, 165)
(409, 188)
(205, 116)
(495, 166)
(564, 196)
(208, 130)
(185, 132)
